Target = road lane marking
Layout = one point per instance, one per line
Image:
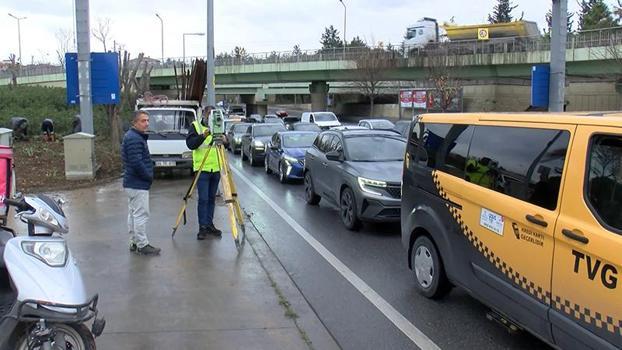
(401, 322)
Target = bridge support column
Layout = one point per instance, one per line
(319, 95)
(253, 106)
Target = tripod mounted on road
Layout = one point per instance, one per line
(230, 194)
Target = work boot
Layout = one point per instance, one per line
(133, 247)
(148, 250)
(212, 230)
(203, 230)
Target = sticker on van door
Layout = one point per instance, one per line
(491, 221)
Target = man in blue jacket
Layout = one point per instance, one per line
(137, 179)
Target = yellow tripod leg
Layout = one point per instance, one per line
(184, 205)
(235, 212)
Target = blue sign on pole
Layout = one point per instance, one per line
(104, 78)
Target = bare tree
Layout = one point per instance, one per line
(131, 87)
(64, 41)
(443, 75)
(372, 66)
(613, 53)
(13, 68)
(102, 31)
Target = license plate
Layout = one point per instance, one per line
(165, 163)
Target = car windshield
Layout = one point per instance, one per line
(307, 127)
(240, 128)
(267, 130)
(273, 120)
(382, 124)
(298, 140)
(324, 117)
(375, 148)
(169, 120)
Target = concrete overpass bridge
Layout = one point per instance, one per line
(593, 55)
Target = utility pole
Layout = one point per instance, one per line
(19, 36)
(345, 42)
(211, 77)
(559, 31)
(161, 36)
(83, 34)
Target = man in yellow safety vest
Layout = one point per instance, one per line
(199, 140)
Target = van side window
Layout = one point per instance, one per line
(445, 147)
(524, 163)
(604, 188)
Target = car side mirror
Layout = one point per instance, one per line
(334, 156)
(271, 146)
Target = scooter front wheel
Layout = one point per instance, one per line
(74, 336)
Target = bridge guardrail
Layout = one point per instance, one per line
(608, 37)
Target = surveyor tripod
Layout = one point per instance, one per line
(230, 195)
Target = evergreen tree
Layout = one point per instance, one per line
(330, 38)
(357, 42)
(296, 51)
(549, 22)
(502, 12)
(595, 14)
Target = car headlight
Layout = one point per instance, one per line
(367, 185)
(237, 140)
(47, 217)
(53, 253)
(290, 159)
(186, 155)
(258, 144)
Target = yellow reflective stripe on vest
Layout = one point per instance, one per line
(211, 163)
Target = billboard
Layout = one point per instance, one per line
(104, 78)
(429, 100)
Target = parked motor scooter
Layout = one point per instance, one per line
(43, 301)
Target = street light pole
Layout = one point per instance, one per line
(184, 43)
(211, 83)
(345, 42)
(161, 35)
(19, 36)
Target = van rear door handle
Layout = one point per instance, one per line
(536, 220)
(576, 236)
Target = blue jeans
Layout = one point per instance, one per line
(207, 187)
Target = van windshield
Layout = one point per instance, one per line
(170, 120)
(324, 117)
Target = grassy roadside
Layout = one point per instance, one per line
(40, 166)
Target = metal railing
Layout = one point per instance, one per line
(607, 37)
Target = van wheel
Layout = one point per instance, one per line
(348, 211)
(310, 196)
(430, 278)
(242, 154)
(251, 159)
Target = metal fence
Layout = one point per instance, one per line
(609, 37)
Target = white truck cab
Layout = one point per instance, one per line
(169, 121)
(324, 120)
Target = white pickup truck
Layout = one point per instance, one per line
(169, 121)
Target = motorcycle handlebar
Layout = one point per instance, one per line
(20, 205)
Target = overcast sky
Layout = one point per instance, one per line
(258, 26)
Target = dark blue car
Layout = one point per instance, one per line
(285, 153)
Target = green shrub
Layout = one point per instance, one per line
(38, 102)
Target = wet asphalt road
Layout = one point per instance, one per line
(374, 254)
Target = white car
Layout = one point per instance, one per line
(324, 120)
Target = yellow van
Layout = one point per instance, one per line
(524, 211)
